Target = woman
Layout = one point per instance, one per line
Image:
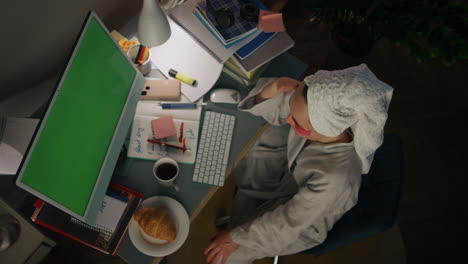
(293, 188)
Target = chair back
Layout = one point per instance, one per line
(379, 199)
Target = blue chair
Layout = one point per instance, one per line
(379, 199)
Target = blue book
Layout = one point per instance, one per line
(240, 27)
(254, 44)
(258, 41)
(226, 45)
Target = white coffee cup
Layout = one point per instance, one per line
(166, 171)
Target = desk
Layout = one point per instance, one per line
(194, 196)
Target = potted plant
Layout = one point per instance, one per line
(428, 29)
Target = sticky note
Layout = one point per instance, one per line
(163, 127)
(126, 44)
(271, 21)
(261, 14)
(117, 36)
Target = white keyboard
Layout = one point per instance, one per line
(213, 150)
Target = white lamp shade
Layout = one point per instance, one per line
(153, 27)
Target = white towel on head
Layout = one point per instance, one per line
(350, 98)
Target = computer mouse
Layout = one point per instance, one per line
(226, 96)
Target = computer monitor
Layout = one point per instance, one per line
(72, 156)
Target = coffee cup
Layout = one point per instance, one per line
(165, 171)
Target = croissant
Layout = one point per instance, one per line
(157, 223)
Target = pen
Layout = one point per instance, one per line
(155, 141)
(180, 105)
(182, 77)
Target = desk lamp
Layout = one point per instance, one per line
(153, 27)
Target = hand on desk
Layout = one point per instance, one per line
(221, 247)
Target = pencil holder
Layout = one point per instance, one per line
(141, 57)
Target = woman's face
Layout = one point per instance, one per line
(299, 116)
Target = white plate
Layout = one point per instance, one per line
(181, 221)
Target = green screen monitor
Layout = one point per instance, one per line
(75, 148)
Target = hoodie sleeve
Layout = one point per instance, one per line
(274, 110)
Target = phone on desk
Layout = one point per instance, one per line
(156, 89)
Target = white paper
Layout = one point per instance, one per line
(10, 159)
(184, 55)
(19, 131)
(17, 135)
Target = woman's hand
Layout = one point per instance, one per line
(221, 247)
(280, 85)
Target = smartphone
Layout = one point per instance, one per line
(161, 90)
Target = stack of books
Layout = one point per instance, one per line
(240, 30)
(250, 60)
(247, 80)
(117, 209)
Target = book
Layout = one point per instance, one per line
(233, 65)
(187, 123)
(254, 45)
(118, 207)
(183, 16)
(247, 80)
(239, 29)
(279, 44)
(257, 42)
(227, 44)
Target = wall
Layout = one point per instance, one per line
(36, 38)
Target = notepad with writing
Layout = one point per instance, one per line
(186, 121)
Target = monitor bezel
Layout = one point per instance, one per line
(91, 208)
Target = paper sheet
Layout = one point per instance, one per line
(184, 55)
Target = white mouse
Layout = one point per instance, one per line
(227, 96)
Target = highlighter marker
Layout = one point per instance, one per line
(182, 77)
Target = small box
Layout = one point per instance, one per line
(161, 90)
